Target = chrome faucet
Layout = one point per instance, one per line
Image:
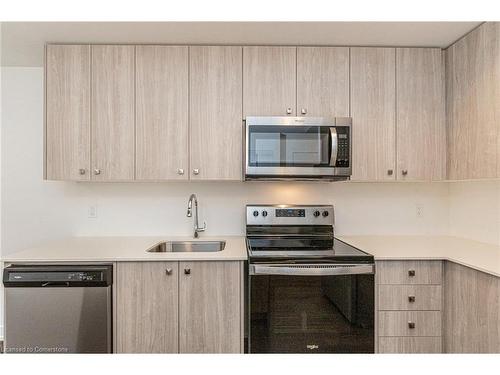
(197, 228)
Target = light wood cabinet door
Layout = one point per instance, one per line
(269, 81)
(409, 272)
(210, 307)
(471, 310)
(147, 307)
(421, 126)
(410, 345)
(473, 109)
(409, 297)
(409, 323)
(161, 113)
(113, 127)
(323, 81)
(67, 99)
(373, 112)
(215, 112)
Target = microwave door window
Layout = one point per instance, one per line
(265, 148)
(304, 149)
(272, 146)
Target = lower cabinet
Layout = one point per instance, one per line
(179, 307)
(409, 302)
(210, 307)
(472, 310)
(146, 307)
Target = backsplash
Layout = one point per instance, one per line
(475, 210)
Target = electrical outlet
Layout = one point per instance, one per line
(419, 210)
(92, 214)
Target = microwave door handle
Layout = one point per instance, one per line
(335, 146)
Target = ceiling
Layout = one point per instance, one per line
(22, 42)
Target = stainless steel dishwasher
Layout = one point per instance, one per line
(58, 308)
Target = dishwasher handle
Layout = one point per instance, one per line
(55, 283)
(311, 269)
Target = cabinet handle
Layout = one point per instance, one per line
(411, 325)
(196, 171)
(411, 273)
(180, 171)
(404, 172)
(288, 111)
(187, 271)
(390, 172)
(82, 171)
(168, 271)
(411, 298)
(304, 111)
(97, 171)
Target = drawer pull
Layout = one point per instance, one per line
(187, 271)
(411, 298)
(411, 325)
(411, 273)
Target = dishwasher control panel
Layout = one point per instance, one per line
(52, 275)
(56, 276)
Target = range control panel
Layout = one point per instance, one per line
(289, 215)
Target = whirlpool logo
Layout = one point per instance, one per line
(312, 347)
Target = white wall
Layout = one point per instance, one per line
(474, 210)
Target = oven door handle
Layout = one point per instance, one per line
(312, 269)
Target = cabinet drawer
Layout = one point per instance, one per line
(409, 297)
(409, 272)
(399, 323)
(409, 345)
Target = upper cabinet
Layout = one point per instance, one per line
(162, 113)
(373, 112)
(112, 112)
(67, 98)
(269, 81)
(215, 112)
(323, 81)
(420, 119)
(473, 109)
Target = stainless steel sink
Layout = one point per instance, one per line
(188, 247)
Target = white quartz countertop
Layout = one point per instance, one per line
(116, 249)
(478, 255)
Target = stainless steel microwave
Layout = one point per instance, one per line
(300, 148)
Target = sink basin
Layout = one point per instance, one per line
(188, 247)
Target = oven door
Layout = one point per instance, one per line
(295, 147)
(311, 308)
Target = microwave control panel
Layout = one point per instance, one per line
(344, 146)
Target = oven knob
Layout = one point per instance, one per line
(325, 213)
(256, 213)
(264, 213)
(316, 213)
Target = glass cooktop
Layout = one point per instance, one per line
(330, 248)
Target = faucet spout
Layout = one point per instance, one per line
(197, 228)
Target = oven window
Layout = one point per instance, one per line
(288, 146)
(311, 314)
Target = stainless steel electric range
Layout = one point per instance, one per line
(308, 292)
